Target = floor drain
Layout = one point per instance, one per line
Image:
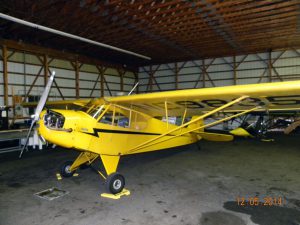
(51, 193)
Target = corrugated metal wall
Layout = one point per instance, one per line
(23, 69)
(242, 69)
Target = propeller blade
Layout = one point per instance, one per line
(27, 138)
(43, 98)
(39, 109)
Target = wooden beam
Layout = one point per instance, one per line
(153, 78)
(270, 65)
(46, 68)
(102, 82)
(150, 78)
(76, 67)
(60, 54)
(137, 80)
(57, 87)
(234, 70)
(5, 74)
(121, 74)
(203, 69)
(95, 84)
(101, 70)
(33, 83)
(11, 54)
(176, 76)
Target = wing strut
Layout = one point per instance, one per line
(150, 142)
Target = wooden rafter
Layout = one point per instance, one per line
(167, 31)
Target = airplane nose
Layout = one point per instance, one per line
(54, 120)
(52, 128)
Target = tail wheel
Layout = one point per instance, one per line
(114, 183)
(65, 169)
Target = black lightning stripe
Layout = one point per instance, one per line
(96, 131)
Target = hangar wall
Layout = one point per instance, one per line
(26, 76)
(272, 66)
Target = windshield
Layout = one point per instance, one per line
(93, 109)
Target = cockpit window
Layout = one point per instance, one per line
(117, 120)
(93, 109)
(107, 118)
(96, 111)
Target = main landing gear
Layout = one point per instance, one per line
(114, 182)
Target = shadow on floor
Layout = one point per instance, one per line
(267, 215)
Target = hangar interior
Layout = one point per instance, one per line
(177, 45)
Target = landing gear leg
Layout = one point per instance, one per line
(85, 158)
(114, 182)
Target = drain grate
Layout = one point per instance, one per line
(51, 193)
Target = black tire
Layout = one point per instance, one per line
(64, 169)
(114, 183)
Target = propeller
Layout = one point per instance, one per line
(38, 110)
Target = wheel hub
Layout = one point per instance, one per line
(67, 169)
(117, 184)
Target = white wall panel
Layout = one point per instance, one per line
(288, 70)
(220, 83)
(114, 86)
(167, 86)
(186, 85)
(85, 93)
(189, 70)
(251, 73)
(32, 69)
(287, 62)
(164, 79)
(89, 68)
(220, 70)
(128, 80)
(23, 70)
(143, 75)
(111, 71)
(58, 63)
(87, 84)
(164, 73)
(187, 64)
(163, 66)
(189, 77)
(63, 73)
(87, 76)
(15, 67)
(68, 92)
(109, 78)
(65, 83)
(15, 79)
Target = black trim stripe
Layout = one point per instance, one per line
(96, 131)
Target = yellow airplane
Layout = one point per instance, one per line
(112, 127)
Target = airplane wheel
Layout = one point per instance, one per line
(65, 169)
(115, 183)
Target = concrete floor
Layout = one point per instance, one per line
(182, 186)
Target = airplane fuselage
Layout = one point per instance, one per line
(80, 131)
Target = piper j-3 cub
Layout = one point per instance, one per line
(112, 127)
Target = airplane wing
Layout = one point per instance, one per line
(270, 96)
(70, 104)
